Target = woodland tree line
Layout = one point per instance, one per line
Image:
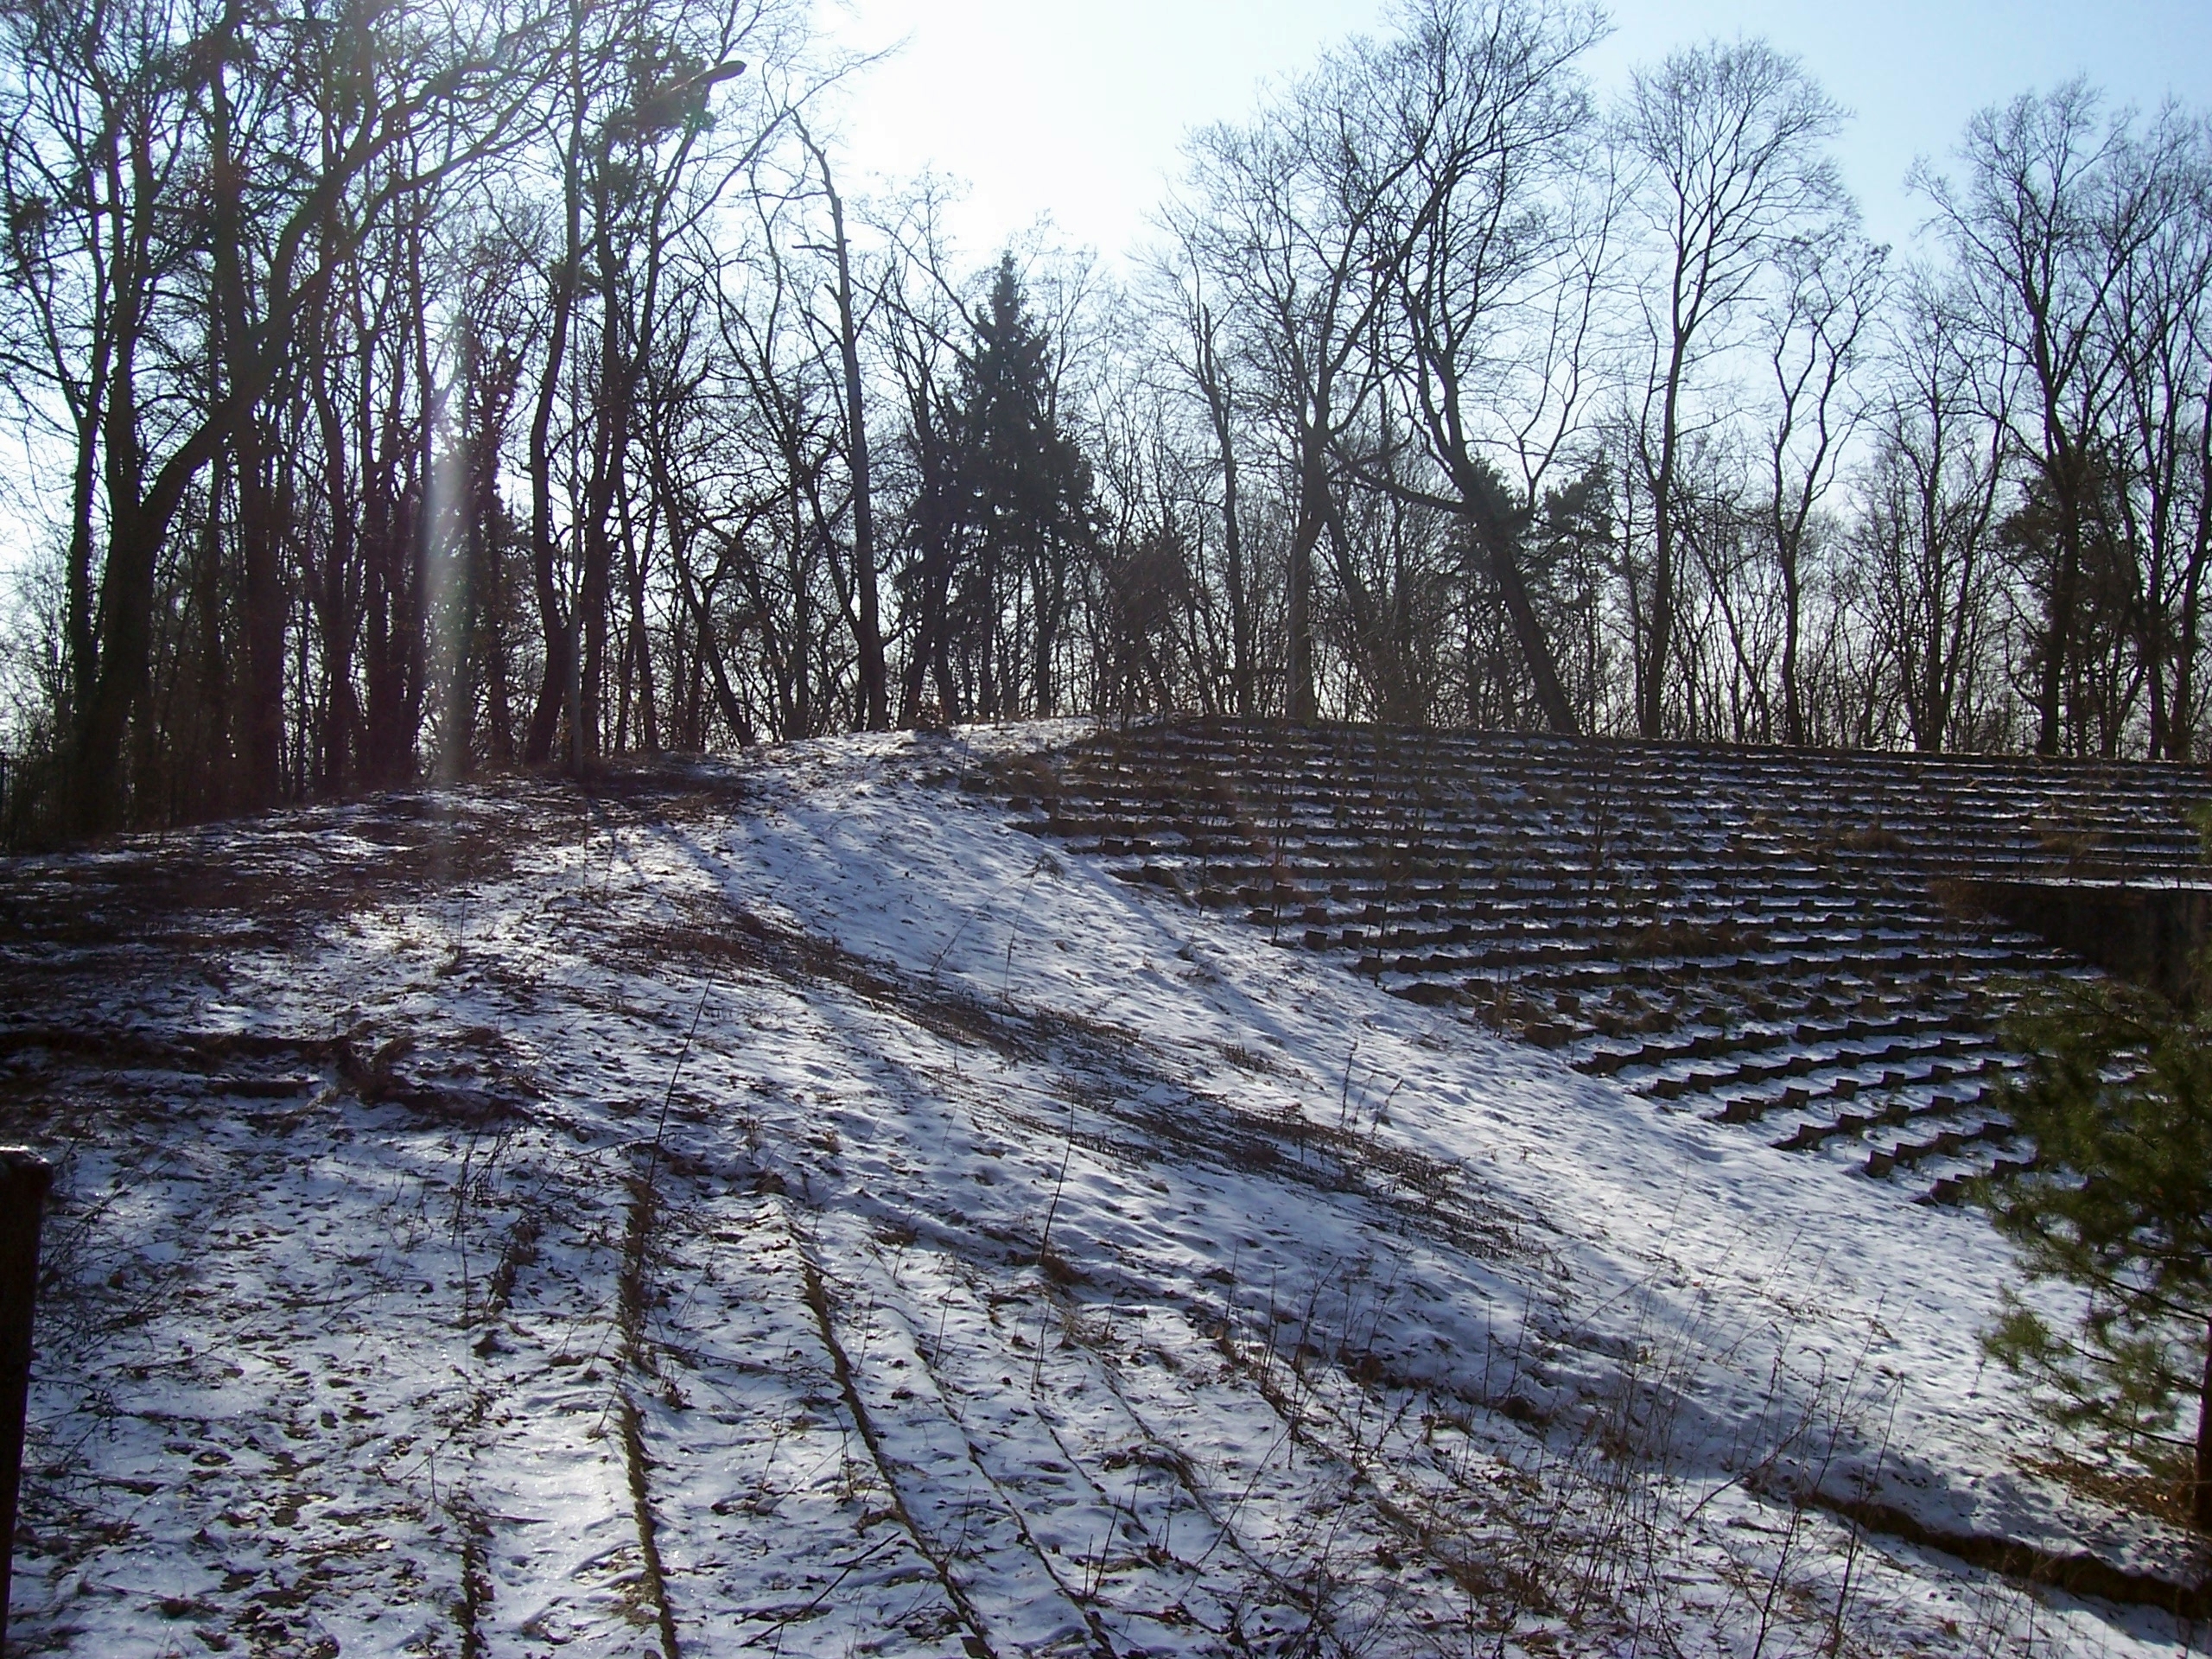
(408, 387)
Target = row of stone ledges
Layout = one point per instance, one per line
(1753, 934)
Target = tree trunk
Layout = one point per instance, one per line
(634, 575)
(1486, 516)
(264, 620)
(935, 527)
(1299, 703)
(553, 690)
(214, 675)
(868, 627)
(137, 526)
(2066, 473)
(2200, 1509)
(1651, 687)
(709, 655)
(257, 531)
(2051, 700)
(1216, 387)
(2200, 547)
(1793, 698)
(84, 650)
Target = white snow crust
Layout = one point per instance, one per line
(828, 1220)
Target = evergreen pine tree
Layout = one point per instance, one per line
(1025, 491)
(2119, 1100)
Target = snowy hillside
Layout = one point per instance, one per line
(778, 1206)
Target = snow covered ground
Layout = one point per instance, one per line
(775, 1206)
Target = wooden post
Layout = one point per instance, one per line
(24, 1177)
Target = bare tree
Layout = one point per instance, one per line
(1284, 215)
(1494, 248)
(1732, 171)
(2159, 316)
(846, 327)
(109, 154)
(1203, 366)
(1932, 493)
(1814, 331)
(2055, 205)
(923, 319)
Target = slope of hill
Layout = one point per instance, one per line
(780, 1206)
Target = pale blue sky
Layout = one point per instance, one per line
(1077, 109)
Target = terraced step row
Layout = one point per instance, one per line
(1754, 934)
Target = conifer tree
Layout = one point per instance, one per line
(1026, 499)
(2119, 1100)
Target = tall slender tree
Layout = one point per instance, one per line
(1730, 142)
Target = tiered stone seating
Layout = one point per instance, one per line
(1756, 934)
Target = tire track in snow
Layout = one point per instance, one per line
(772, 1531)
(817, 1298)
(1095, 1440)
(547, 1516)
(995, 1564)
(637, 1358)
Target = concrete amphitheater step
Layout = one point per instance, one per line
(1754, 933)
